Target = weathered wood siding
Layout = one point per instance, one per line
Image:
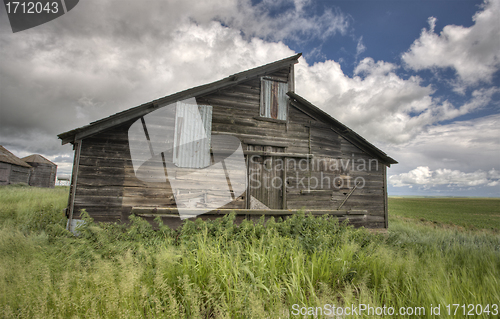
(4, 173)
(108, 189)
(42, 175)
(332, 174)
(101, 174)
(13, 174)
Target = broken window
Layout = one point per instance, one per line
(273, 99)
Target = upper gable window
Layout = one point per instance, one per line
(273, 99)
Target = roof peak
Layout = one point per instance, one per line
(7, 157)
(143, 109)
(37, 158)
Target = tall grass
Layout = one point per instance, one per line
(220, 270)
(32, 208)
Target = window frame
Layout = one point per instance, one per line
(265, 112)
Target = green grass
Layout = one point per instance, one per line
(220, 270)
(32, 208)
(471, 213)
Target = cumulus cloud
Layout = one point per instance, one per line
(463, 145)
(90, 63)
(108, 56)
(256, 20)
(474, 52)
(104, 57)
(445, 157)
(378, 103)
(422, 175)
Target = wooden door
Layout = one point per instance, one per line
(265, 176)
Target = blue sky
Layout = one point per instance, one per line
(419, 79)
(388, 28)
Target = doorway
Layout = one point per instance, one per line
(265, 178)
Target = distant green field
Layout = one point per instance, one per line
(482, 213)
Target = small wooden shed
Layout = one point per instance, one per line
(13, 170)
(43, 172)
(271, 150)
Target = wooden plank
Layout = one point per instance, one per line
(97, 170)
(162, 190)
(235, 94)
(386, 209)
(255, 141)
(287, 138)
(103, 162)
(283, 187)
(303, 110)
(281, 72)
(264, 153)
(303, 180)
(327, 146)
(155, 211)
(221, 100)
(102, 152)
(144, 201)
(254, 123)
(91, 145)
(357, 198)
(259, 130)
(267, 119)
(298, 117)
(276, 77)
(250, 88)
(348, 195)
(100, 190)
(74, 178)
(326, 141)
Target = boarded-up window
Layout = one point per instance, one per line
(273, 100)
(193, 131)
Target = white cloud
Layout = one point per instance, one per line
(360, 47)
(422, 175)
(459, 154)
(89, 64)
(463, 145)
(256, 20)
(83, 69)
(474, 52)
(377, 103)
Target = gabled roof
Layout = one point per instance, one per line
(141, 110)
(356, 139)
(8, 157)
(37, 158)
(297, 101)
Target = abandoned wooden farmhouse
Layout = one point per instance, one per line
(247, 143)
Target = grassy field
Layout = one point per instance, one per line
(32, 209)
(470, 213)
(219, 270)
